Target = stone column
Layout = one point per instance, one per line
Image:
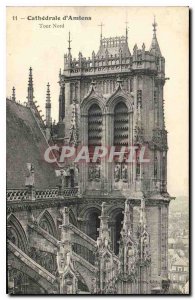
(68, 110)
(104, 173)
(83, 165)
(109, 134)
(130, 143)
(112, 227)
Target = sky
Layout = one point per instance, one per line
(43, 49)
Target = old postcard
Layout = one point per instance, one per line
(97, 150)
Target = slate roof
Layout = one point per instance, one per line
(154, 48)
(26, 144)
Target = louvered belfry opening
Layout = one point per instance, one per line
(94, 139)
(121, 129)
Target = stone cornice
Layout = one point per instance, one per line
(151, 200)
(114, 73)
(14, 206)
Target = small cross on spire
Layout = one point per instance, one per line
(101, 25)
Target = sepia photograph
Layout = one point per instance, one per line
(97, 150)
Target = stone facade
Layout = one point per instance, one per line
(113, 98)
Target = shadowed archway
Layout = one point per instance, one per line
(47, 223)
(115, 224)
(16, 233)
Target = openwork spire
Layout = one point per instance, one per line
(30, 96)
(74, 130)
(68, 58)
(13, 94)
(48, 99)
(48, 106)
(154, 48)
(101, 25)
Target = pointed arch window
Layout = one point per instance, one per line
(121, 125)
(121, 129)
(16, 233)
(95, 123)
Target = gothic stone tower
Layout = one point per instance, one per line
(115, 98)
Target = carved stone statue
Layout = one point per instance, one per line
(124, 173)
(30, 181)
(94, 172)
(97, 172)
(117, 173)
(76, 174)
(90, 173)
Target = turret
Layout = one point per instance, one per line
(154, 48)
(48, 106)
(112, 46)
(135, 48)
(69, 51)
(13, 94)
(62, 102)
(30, 96)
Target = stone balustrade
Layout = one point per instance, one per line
(17, 195)
(25, 194)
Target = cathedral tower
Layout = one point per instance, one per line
(120, 103)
